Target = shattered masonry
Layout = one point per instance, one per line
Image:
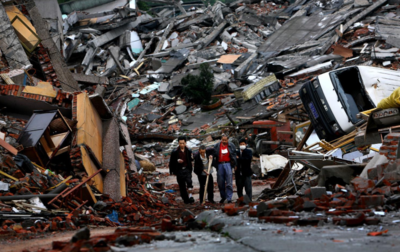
(88, 98)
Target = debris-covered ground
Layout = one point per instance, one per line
(94, 96)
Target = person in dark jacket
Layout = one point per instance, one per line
(180, 165)
(225, 160)
(243, 170)
(201, 162)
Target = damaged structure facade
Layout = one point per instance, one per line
(92, 102)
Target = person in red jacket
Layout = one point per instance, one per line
(225, 160)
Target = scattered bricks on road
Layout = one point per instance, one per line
(166, 225)
(311, 221)
(362, 184)
(187, 216)
(356, 221)
(372, 201)
(279, 219)
(372, 221)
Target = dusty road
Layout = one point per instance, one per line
(45, 242)
(172, 180)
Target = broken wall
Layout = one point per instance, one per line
(50, 11)
(9, 43)
(89, 127)
(112, 181)
(90, 169)
(80, 5)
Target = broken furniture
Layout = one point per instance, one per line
(42, 142)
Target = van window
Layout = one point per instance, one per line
(351, 92)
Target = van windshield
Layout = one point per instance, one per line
(351, 92)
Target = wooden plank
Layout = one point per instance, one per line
(63, 150)
(8, 147)
(65, 121)
(66, 193)
(91, 169)
(8, 176)
(7, 79)
(90, 130)
(57, 139)
(122, 178)
(62, 182)
(245, 117)
(46, 146)
(87, 194)
(222, 95)
(228, 58)
(43, 88)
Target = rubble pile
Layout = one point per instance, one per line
(86, 94)
(142, 207)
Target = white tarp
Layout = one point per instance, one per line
(274, 162)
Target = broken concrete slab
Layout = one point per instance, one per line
(112, 162)
(209, 38)
(177, 58)
(9, 44)
(90, 79)
(299, 30)
(115, 54)
(64, 76)
(180, 109)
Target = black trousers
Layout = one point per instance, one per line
(210, 187)
(243, 181)
(184, 179)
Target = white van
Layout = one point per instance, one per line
(334, 99)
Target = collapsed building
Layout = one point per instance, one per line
(84, 94)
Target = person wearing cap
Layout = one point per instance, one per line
(243, 170)
(225, 160)
(201, 163)
(180, 165)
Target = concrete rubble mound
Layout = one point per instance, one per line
(93, 99)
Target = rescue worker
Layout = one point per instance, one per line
(180, 165)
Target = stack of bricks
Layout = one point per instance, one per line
(3, 65)
(45, 64)
(62, 99)
(196, 131)
(38, 97)
(126, 159)
(349, 206)
(205, 127)
(391, 169)
(76, 158)
(75, 107)
(9, 89)
(390, 146)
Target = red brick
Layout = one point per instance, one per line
(372, 200)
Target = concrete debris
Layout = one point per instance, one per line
(93, 102)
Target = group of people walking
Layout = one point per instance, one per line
(224, 157)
